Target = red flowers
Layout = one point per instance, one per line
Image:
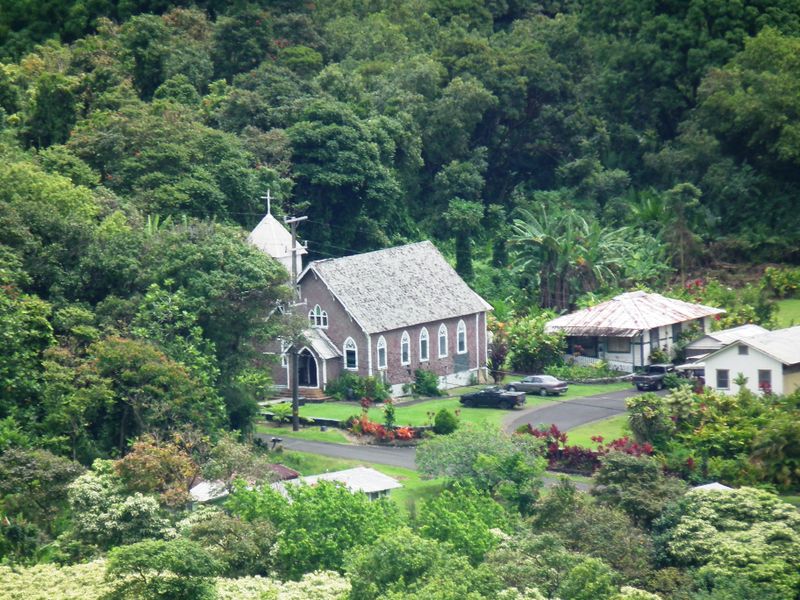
(583, 460)
(363, 426)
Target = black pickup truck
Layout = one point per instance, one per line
(652, 378)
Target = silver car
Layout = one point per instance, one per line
(544, 385)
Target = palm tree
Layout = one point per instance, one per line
(566, 254)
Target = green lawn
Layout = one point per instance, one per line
(419, 414)
(414, 487)
(788, 312)
(313, 434)
(611, 429)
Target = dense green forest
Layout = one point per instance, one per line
(557, 151)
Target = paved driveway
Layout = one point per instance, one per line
(396, 457)
(568, 414)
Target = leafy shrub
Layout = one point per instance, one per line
(563, 457)
(575, 372)
(659, 355)
(349, 386)
(750, 304)
(445, 422)
(673, 381)
(782, 282)
(282, 412)
(426, 383)
(388, 415)
(649, 418)
(531, 349)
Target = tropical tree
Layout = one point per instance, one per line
(567, 255)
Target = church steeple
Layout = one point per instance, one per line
(271, 237)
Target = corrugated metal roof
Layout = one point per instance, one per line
(398, 287)
(359, 479)
(717, 339)
(782, 344)
(629, 314)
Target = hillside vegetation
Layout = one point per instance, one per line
(556, 151)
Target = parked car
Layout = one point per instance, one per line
(544, 385)
(652, 378)
(495, 397)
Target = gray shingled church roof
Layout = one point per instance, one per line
(398, 287)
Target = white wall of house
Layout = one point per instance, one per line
(748, 364)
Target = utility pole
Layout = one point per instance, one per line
(293, 366)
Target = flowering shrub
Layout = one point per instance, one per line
(563, 457)
(363, 426)
(404, 433)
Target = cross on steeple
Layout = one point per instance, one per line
(268, 198)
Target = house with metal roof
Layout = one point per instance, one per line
(626, 329)
(715, 340)
(360, 479)
(770, 362)
(388, 313)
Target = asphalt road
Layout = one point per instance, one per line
(382, 455)
(568, 414)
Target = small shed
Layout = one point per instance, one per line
(360, 479)
(625, 330)
(714, 486)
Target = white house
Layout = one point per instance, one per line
(769, 361)
(624, 330)
(715, 340)
(360, 479)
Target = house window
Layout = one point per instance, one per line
(765, 380)
(350, 354)
(405, 349)
(654, 340)
(442, 340)
(676, 332)
(461, 338)
(318, 317)
(743, 350)
(619, 344)
(723, 379)
(381, 353)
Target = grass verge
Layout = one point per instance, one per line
(788, 312)
(333, 435)
(610, 429)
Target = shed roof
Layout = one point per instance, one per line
(359, 479)
(782, 344)
(397, 287)
(714, 486)
(272, 237)
(629, 314)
